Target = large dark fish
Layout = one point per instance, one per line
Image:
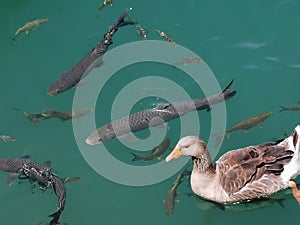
(156, 116)
(156, 153)
(292, 108)
(44, 176)
(90, 61)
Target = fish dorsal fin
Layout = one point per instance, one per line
(161, 106)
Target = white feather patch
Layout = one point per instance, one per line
(292, 169)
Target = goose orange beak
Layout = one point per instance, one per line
(176, 153)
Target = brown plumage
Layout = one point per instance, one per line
(242, 174)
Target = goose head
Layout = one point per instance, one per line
(188, 146)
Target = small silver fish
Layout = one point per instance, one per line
(167, 37)
(172, 193)
(156, 153)
(29, 26)
(185, 61)
(142, 33)
(292, 108)
(7, 138)
(63, 116)
(105, 3)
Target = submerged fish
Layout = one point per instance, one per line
(29, 26)
(71, 179)
(156, 152)
(7, 138)
(65, 179)
(142, 33)
(292, 108)
(46, 223)
(105, 3)
(90, 61)
(172, 193)
(250, 122)
(42, 175)
(167, 37)
(156, 116)
(52, 113)
(185, 61)
(30, 117)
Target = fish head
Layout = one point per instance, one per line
(41, 21)
(267, 114)
(53, 90)
(104, 133)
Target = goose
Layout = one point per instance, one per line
(243, 174)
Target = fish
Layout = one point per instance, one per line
(292, 108)
(185, 61)
(148, 117)
(156, 152)
(29, 26)
(105, 3)
(167, 37)
(63, 116)
(30, 117)
(90, 61)
(249, 123)
(7, 138)
(46, 223)
(40, 174)
(71, 179)
(172, 193)
(142, 33)
(65, 179)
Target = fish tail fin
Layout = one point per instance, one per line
(227, 92)
(228, 86)
(121, 22)
(135, 157)
(282, 108)
(55, 216)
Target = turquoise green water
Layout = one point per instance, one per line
(254, 42)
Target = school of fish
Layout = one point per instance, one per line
(45, 177)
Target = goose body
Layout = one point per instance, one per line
(243, 174)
